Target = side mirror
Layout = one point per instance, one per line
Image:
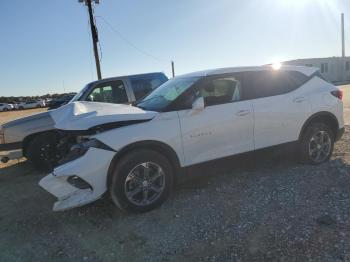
(198, 104)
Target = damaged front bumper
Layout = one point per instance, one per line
(81, 181)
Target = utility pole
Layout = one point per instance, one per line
(342, 36)
(94, 34)
(173, 68)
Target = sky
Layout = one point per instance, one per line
(46, 45)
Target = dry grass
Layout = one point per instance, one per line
(12, 115)
(346, 90)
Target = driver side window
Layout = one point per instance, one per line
(113, 92)
(219, 91)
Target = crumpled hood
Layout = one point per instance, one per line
(84, 115)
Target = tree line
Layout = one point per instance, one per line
(17, 99)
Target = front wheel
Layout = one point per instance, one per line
(141, 181)
(5, 109)
(316, 145)
(42, 151)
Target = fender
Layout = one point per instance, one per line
(161, 147)
(327, 116)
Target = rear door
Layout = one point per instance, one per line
(280, 106)
(223, 128)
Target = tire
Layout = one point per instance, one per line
(129, 176)
(42, 152)
(21, 108)
(311, 144)
(5, 109)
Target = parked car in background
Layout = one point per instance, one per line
(14, 104)
(6, 107)
(136, 152)
(48, 101)
(58, 102)
(31, 104)
(36, 138)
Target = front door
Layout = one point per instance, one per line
(223, 128)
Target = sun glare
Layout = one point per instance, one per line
(276, 65)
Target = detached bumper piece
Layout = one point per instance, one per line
(68, 196)
(81, 181)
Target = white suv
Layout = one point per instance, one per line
(31, 104)
(136, 152)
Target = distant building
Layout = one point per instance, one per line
(334, 69)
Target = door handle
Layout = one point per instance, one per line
(243, 112)
(299, 99)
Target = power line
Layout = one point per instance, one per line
(130, 43)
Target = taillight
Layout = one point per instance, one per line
(338, 94)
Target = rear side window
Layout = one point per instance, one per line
(318, 74)
(260, 84)
(144, 85)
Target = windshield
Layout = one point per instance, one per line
(78, 96)
(164, 95)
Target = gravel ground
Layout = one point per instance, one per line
(258, 207)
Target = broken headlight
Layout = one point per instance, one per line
(81, 148)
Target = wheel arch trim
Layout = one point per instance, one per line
(319, 115)
(158, 146)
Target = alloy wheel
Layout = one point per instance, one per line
(144, 184)
(320, 146)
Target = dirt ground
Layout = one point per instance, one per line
(259, 207)
(346, 90)
(12, 115)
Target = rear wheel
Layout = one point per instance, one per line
(5, 109)
(42, 151)
(317, 143)
(21, 108)
(141, 181)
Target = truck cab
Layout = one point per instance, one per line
(35, 136)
